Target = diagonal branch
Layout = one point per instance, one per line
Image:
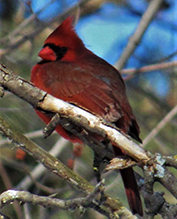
(33, 31)
(160, 126)
(58, 168)
(79, 117)
(135, 39)
(78, 120)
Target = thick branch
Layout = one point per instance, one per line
(169, 181)
(90, 200)
(54, 165)
(43, 156)
(41, 100)
(82, 121)
(171, 161)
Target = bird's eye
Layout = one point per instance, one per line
(63, 50)
(60, 52)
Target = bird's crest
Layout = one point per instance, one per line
(64, 34)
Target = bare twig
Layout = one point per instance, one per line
(171, 161)
(120, 163)
(7, 182)
(169, 182)
(160, 125)
(33, 31)
(5, 178)
(40, 169)
(160, 66)
(135, 39)
(90, 200)
(49, 129)
(41, 155)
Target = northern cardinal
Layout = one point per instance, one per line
(71, 72)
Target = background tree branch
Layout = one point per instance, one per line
(135, 39)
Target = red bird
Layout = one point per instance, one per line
(71, 72)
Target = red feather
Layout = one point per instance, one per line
(71, 72)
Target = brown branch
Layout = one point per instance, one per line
(160, 66)
(135, 39)
(168, 211)
(171, 161)
(41, 155)
(154, 201)
(58, 168)
(169, 181)
(39, 170)
(80, 118)
(33, 31)
(160, 125)
(8, 185)
(90, 200)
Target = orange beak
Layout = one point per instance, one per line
(47, 54)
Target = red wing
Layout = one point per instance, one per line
(77, 85)
(102, 92)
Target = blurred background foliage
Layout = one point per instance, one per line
(105, 27)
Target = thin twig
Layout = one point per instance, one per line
(33, 31)
(160, 125)
(135, 39)
(8, 185)
(39, 170)
(160, 66)
(89, 201)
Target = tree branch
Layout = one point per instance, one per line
(91, 200)
(160, 125)
(58, 168)
(80, 118)
(19, 31)
(159, 66)
(135, 39)
(83, 125)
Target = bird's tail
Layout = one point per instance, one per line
(132, 191)
(131, 187)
